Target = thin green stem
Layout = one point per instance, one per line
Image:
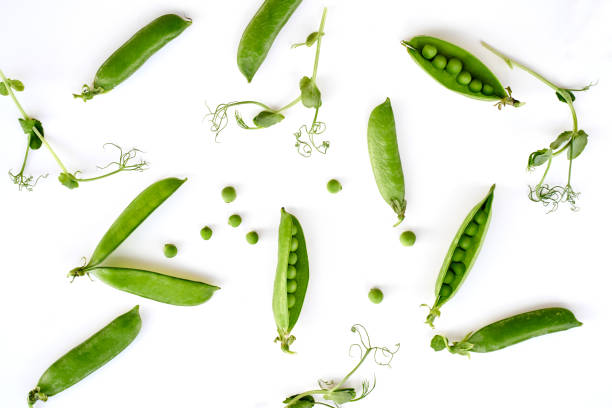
(346, 377)
(544, 175)
(316, 62)
(25, 159)
(100, 177)
(48, 146)
(10, 91)
(290, 104)
(263, 105)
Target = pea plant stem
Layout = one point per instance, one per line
(316, 62)
(290, 104)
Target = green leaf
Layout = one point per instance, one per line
(538, 158)
(311, 96)
(266, 119)
(438, 343)
(579, 142)
(16, 84)
(562, 99)
(341, 396)
(562, 138)
(28, 128)
(310, 40)
(304, 402)
(68, 180)
(3, 90)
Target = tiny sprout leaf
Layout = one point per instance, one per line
(16, 85)
(438, 343)
(311, 96)
(3, 90)
(578, 143)
(68, 180)
(306, 401)
(266, 119)
(562, 138)
(310, 40)
(562, 99)
(538, 158)
(341, 396)
(28, 128)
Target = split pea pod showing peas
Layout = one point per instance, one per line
(462, 254)
(385, 158)
(510, 331)
(260, 33)
(133, 53)
(87, 357)
(458, 70)
(291, 278)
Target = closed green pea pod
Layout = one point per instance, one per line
(260, 33)
(461, 254)
(135, 52)
(385, 158)
(87, 357)
(287, 306)
(510, 331)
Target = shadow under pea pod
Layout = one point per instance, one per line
(148, 284)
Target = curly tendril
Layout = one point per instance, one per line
(553, 196)
(123, 163)
(25, 182)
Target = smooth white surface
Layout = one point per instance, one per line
(221, 354)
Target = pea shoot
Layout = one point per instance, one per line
(33, 129)
(571, 141)
(310, 96)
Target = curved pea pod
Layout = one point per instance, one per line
(260, 33)
(133, 53)
(385, 158)
(509, 331)
(87, 357)
(462, 254)
(155, 286)
(291, 279)
(466, 75)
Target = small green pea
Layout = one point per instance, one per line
(458, 268)
(465, 242)
(429, 51)
(228, 194)
(170, 250)
(471, 229)
(234, 220)
(291, 286)
(475, 85)
(445, 290)
(454, 66)
(252, 237)
(293, 229)
(294, 244)
(292, 258)
(290, 301)
(449, 277)
(206, 233)
(464, 78)
(375, 295)
(487, 89)
(458, 255)
(291, 272)
(439, 61)
(334, 186)
(480, 217)
(407, 238)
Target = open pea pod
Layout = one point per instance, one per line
(291, 280)
(87, 357)
(457, 69)
(462, 254)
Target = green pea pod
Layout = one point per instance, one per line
(385, 158)
(87, 357)
(291, 279)
(510, 331)
(260, 33)
(134, 52)
(462, 254)
(156, 286)
(466, 74)
(133, 215)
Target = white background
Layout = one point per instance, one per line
(221, 354)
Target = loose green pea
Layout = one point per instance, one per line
(445, 290)
(465, 242)
(291, 272)
(471, 229)
(487, 89)
(294, 244)
(252, 237)
(170, 250)
(458, 255)
(407, 238)
(439, 62)
(292, 258)
(458, 268)
(291, 286)
(454, 66)
(206, 233)
(234, 220)
(375, 295)
(429, 51)
(475, 85)
(480, 217)
(464, 78)
(228, 194)
(290, 301)
(449, 278)
(334, 186)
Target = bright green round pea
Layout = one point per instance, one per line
(375, 295)
(294, 244)
(292, 258)
(449, 277)
(465, 242)
(334, 186)
(170, 250)
(475, 85)
(480, 217)
(487, 89)
(464, 78)
(252, 237)
(206, 233)
(454, 66)
(407, 238)
(439, 61)
(458, 255)
(290, 300)
(458, 268)
(429, 51)
(293, 229)
(471, 229)
(291, 286)
(445, 290)
(228, 194)
(291, 272)
(234, 220)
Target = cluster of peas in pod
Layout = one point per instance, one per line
(454, 67)
(291, 269)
